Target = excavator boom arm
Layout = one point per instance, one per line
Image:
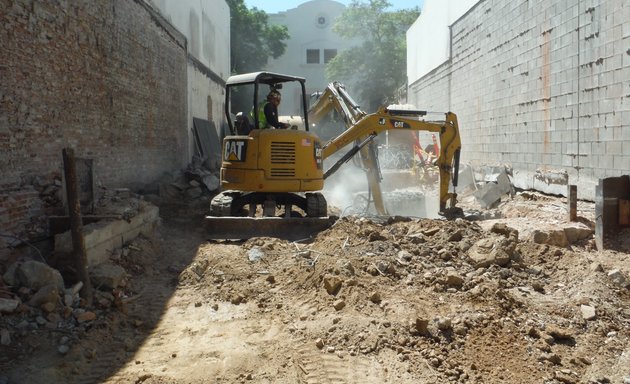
(360, 126)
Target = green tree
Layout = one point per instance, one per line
(378, 66)
(253, 40)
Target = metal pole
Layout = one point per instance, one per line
(79, 258)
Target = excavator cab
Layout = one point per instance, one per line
(268, 172)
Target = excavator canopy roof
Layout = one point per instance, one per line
(263, 78)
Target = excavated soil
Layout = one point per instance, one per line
(369, 300)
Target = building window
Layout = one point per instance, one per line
(329, 54)
(312, 56)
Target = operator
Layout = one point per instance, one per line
(268, 112)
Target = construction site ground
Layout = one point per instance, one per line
(369, 300)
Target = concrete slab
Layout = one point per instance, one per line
(102, 237)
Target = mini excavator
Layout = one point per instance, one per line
(271, 178)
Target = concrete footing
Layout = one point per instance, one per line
(102, 237)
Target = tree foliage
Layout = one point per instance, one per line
(377, 67)
(253, 40)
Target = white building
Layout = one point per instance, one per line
(428, 38)
(206, 26)
(311, 45)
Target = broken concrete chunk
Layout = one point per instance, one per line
(577, 232)
(46, 294)
(618, 278)
(588, 312)
(36, 275)
(8, 305)
(211, 182)
(552, 237)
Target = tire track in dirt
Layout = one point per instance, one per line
(318, 367)
(110, 360)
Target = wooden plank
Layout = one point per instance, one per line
(624, 212)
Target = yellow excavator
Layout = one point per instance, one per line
(271, 178)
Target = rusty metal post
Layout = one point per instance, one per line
(76, 225)
(572, 202)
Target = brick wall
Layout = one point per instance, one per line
(542, 86)
(107, 78)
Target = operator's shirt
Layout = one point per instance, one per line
(271, 113)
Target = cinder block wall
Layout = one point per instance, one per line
(542, 86)
(107, 78)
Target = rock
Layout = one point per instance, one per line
(255, 254)
(332, 284)
(552, 357)
(375, 297)
(385, 267)
(194, 192)
(47, 294)
(577, 232)
(36, 275)
(588, 312)
(85, 316)
(456, 236)
(345, 267)
(559, 334)
(444, 323)
(10, 277)
(555, 237)
(211, 182)
(453, 279)
(106, 276)
(618, 278)
(339, 304)
(8, 305)
(63, 349)
(404, 256)
(492, 251)
(49, 307)
(420, 326)
(319, 343)
(565, 377)
(5, 337)
(503, 229)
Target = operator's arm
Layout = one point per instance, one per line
(271, 113)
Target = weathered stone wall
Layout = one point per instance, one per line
(107, 78)
(541, 86)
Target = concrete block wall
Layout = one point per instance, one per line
(541, 86)
(108, 78)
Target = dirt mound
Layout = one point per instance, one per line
(369, 300)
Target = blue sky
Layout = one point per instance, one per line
(274, 6)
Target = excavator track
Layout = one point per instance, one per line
(233, 216)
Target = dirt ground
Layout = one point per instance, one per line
(369, 300)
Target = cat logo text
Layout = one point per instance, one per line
(235, 150)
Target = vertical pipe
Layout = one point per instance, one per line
(79, 258)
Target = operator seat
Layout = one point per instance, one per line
(243, 124)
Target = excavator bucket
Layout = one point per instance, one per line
(288, 228)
